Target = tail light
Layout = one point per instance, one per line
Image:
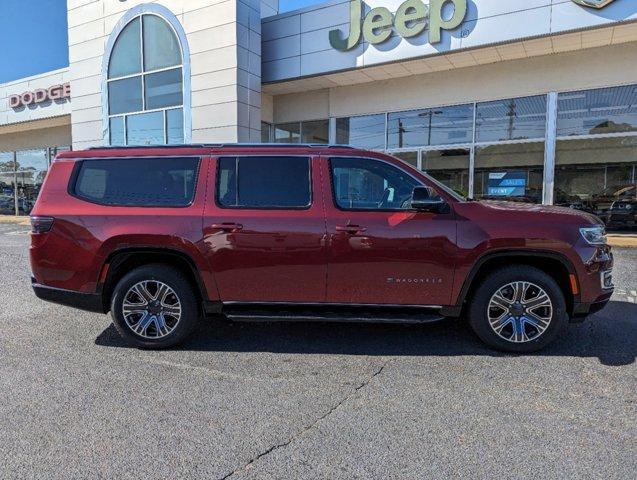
(41, 224)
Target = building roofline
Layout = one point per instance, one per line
(34, 77)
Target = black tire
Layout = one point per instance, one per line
(174, 279)
(478, 309)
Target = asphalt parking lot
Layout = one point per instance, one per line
(310, 400)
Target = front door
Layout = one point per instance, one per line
(382, 251)
(264, 229)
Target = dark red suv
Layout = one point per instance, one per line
(163, 236)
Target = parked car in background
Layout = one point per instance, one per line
(164, 235)
(600, 204)
(7, 205)
(623, 214)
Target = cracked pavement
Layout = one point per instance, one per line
(253, 401)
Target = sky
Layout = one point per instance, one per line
(33, 35)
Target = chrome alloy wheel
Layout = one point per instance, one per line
(151, 309)
(520, 312)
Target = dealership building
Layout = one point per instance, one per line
(535, 99)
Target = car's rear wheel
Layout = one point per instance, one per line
(518, 309)
(154, 306)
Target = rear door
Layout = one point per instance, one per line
(381, 251)
(264, 228)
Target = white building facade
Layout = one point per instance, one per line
(534, 100)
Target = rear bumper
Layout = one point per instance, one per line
(91, 302)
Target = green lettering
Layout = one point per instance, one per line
(437, 23)
(377, 25)
(344, 44)
(411, 18)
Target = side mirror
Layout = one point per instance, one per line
(423, 200)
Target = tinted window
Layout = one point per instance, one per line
(150, 182)
(264, 182)
(362, 183)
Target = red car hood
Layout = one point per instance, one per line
(546, 212)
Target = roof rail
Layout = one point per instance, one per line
(220, 145)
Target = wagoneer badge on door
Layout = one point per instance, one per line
(411, 18)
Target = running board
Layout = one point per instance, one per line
(244, 313)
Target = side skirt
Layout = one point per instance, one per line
(281, 312)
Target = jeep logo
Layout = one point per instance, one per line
(594, 3)
(410, 20)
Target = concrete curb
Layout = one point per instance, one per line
(15, 220)
(623, 241)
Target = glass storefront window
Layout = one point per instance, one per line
(266, 128)
(316, 131)
(145, 129)
(510, 172)
(590, 112)
(175, 126)
(126, 58)
(31, 166)
(163, 89)
(21, 180)
(287, 133)
(512, 119)
(6, 162)
(449, 167)
(362, 132)
(161, 47)
(125, 96)
(116, 131)
(593, 173)
(434, 126)
(7, 199)
(408, 157)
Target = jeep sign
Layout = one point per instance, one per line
(594, 3)
(411, 18)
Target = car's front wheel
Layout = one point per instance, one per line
(518, 309)
(154, 307)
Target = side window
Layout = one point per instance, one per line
(138, 182)
(264, 182)
(368, 184)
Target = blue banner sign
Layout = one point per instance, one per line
(507, 184)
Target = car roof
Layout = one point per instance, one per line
(214, 149)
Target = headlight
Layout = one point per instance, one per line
(594, 235)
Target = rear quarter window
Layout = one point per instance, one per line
(137, 182)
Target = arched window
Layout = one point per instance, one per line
(144, 85)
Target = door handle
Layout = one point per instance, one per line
(351, 229)
(227, 226)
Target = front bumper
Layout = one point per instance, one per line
(583, 310)
(91, 302)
